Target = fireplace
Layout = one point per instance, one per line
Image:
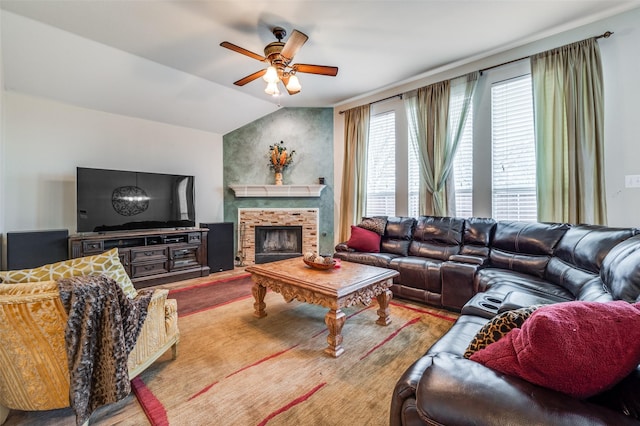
(251, 218)
(277, 243)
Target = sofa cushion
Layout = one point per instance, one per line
(577, 281)
(107, 263)
(397, 235)
(578, 348)
(498, 327)
(621, 270)
(525, 246)
(528, 237)
(477, 236)
(585, 246)
(364, 240)
(376, 224)
(530, 264)
(436, 237)
(489, 278)
(578, 258)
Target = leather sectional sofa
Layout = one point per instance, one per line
(482, 267)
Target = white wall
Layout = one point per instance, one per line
(44, 141)
(621, 67)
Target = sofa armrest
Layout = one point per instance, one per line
(343, 247)
(457, 283)
(159, 332)
(405, 389)
(455, 390)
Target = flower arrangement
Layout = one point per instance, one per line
(279, 158)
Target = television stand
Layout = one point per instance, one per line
(150, 257)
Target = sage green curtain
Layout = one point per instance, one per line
(569, 127)
(461, 97)
(427, 114)
(435, 137)
(354, 170)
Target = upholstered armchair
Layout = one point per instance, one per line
(34, 373)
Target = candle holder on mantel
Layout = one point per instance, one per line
(279, 159)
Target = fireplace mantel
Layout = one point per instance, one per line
(277, 190)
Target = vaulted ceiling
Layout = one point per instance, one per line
(162, 60)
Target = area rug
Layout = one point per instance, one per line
(235, 369)
(200, 297)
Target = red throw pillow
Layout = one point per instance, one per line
(364, 240)
(578, 348)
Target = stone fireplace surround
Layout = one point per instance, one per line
(249, 218)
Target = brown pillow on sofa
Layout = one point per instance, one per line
(376, 224)
(498, 327)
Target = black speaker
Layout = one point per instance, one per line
(31, 249)
(219, 246)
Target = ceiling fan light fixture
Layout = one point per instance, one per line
(272, 89)
(278, 55)
(293, 85)
(271, 76)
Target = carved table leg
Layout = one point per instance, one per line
(383, 312)
(259, 305)
(335, 320)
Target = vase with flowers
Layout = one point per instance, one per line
(279, 159)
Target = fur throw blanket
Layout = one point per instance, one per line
(102, 329)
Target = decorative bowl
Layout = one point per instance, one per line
(323, 266)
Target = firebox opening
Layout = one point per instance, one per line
(277, 243)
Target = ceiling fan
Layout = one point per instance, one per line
(279, 56)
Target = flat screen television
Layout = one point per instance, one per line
(117, 200)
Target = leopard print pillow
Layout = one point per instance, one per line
(376, 224)
(498, 327)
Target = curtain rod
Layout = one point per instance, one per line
(399, 95)
(606, 34)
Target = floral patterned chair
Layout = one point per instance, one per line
(34, 373)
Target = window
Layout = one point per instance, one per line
(462, 174)
(381, 165)
(494, 169)
(513, 159)
(463, 171)
(391, 190)
(414, 176)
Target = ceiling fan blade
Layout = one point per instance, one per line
(250, 78)
(242, 50)
(293, 44)
(316, 69)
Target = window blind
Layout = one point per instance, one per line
(513, 150)
(414, 174)
(381, 165)
(463, 160)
